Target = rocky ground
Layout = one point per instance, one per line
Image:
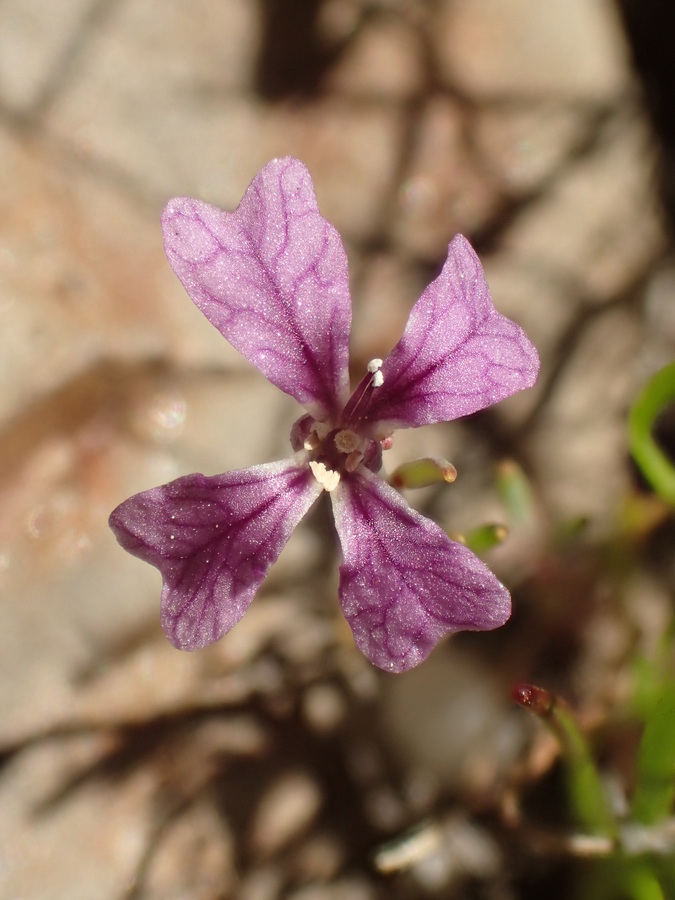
(278, 763)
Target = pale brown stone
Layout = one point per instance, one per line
(383, 61)
(586, 418)
(598, 226)
(444, 191)
(562, 48)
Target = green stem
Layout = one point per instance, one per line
(587, 794)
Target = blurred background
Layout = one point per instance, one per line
(279, 763)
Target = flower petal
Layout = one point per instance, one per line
(213, 539)
(272, 277)
(457, 354)
(403, 583)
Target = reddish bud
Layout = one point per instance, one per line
(539, 700)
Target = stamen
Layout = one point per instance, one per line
(327, 478)
(312, 441)
(354, 460)
(359, 401)
(319, 432)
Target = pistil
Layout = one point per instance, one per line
(358, 403)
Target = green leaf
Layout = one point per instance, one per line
(516, 492)
(655, 789)
(653, 462)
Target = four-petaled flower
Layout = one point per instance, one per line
(272, 277)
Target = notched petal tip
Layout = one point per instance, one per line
(404, 584)
(458, 354)
(213, 539)
(183, 224)
(272, 277)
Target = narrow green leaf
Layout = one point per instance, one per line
(653, 462)
(655, 788)
(516, 492)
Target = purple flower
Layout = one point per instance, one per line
(272, 277)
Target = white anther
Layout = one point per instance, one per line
(374, 367)
(327, 478)
(312, 441)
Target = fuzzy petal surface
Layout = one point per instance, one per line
(272, 277)
(213, 540)
(403, 583)
(457, 354)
